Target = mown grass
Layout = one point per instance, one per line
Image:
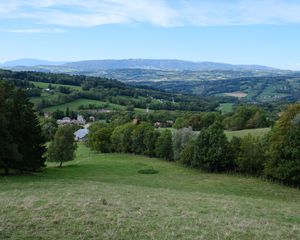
(102, 196)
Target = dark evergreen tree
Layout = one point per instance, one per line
(9, 155)
(26, 132)
(22, 144)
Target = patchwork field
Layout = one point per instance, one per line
(103, 196)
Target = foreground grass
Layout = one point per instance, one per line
(102, 196)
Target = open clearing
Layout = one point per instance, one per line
(226, 107)
(45, 85)
(102, 196)
(74, 105)
(257, 132)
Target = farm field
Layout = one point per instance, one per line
(102, 196)
(74, 105)
(226, 107)
(45, 85)
(258, 132)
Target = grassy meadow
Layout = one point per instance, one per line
(257, 132)
(74, 105)
(103, 196)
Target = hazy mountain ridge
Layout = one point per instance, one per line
(30, 62)
(155, 64)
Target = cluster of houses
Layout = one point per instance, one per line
(66, 120)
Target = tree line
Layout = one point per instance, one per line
(276, 155)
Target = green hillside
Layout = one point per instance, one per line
(258, 132)
(102, 196)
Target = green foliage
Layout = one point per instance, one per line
(100, 140)
(247, 117)
(22, 144)
(198, 121)
(212, 151)
(187, 153)
(150, 139)
(251, 156)
(63, 146)
(284, 151)
(164, 148)
(138, 137)
(49, 127)
(180, 138)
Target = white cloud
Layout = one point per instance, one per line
(166, 13)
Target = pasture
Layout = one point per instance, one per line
(257, 132)
(103, 196)
(74, 105)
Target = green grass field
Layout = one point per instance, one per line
(258, 132)
(45, 85)
(226, 107)
(74, 105)
(102, 196)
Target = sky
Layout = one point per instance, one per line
(264, 32)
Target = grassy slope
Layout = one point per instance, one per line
(258, 132)
(101, 196)
(45, 85)
(226, 107)
(76, 103)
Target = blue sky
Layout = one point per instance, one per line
(265, 32)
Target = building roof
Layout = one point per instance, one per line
(81, 133)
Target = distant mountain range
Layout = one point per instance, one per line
(154, 64)
(29, 62)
